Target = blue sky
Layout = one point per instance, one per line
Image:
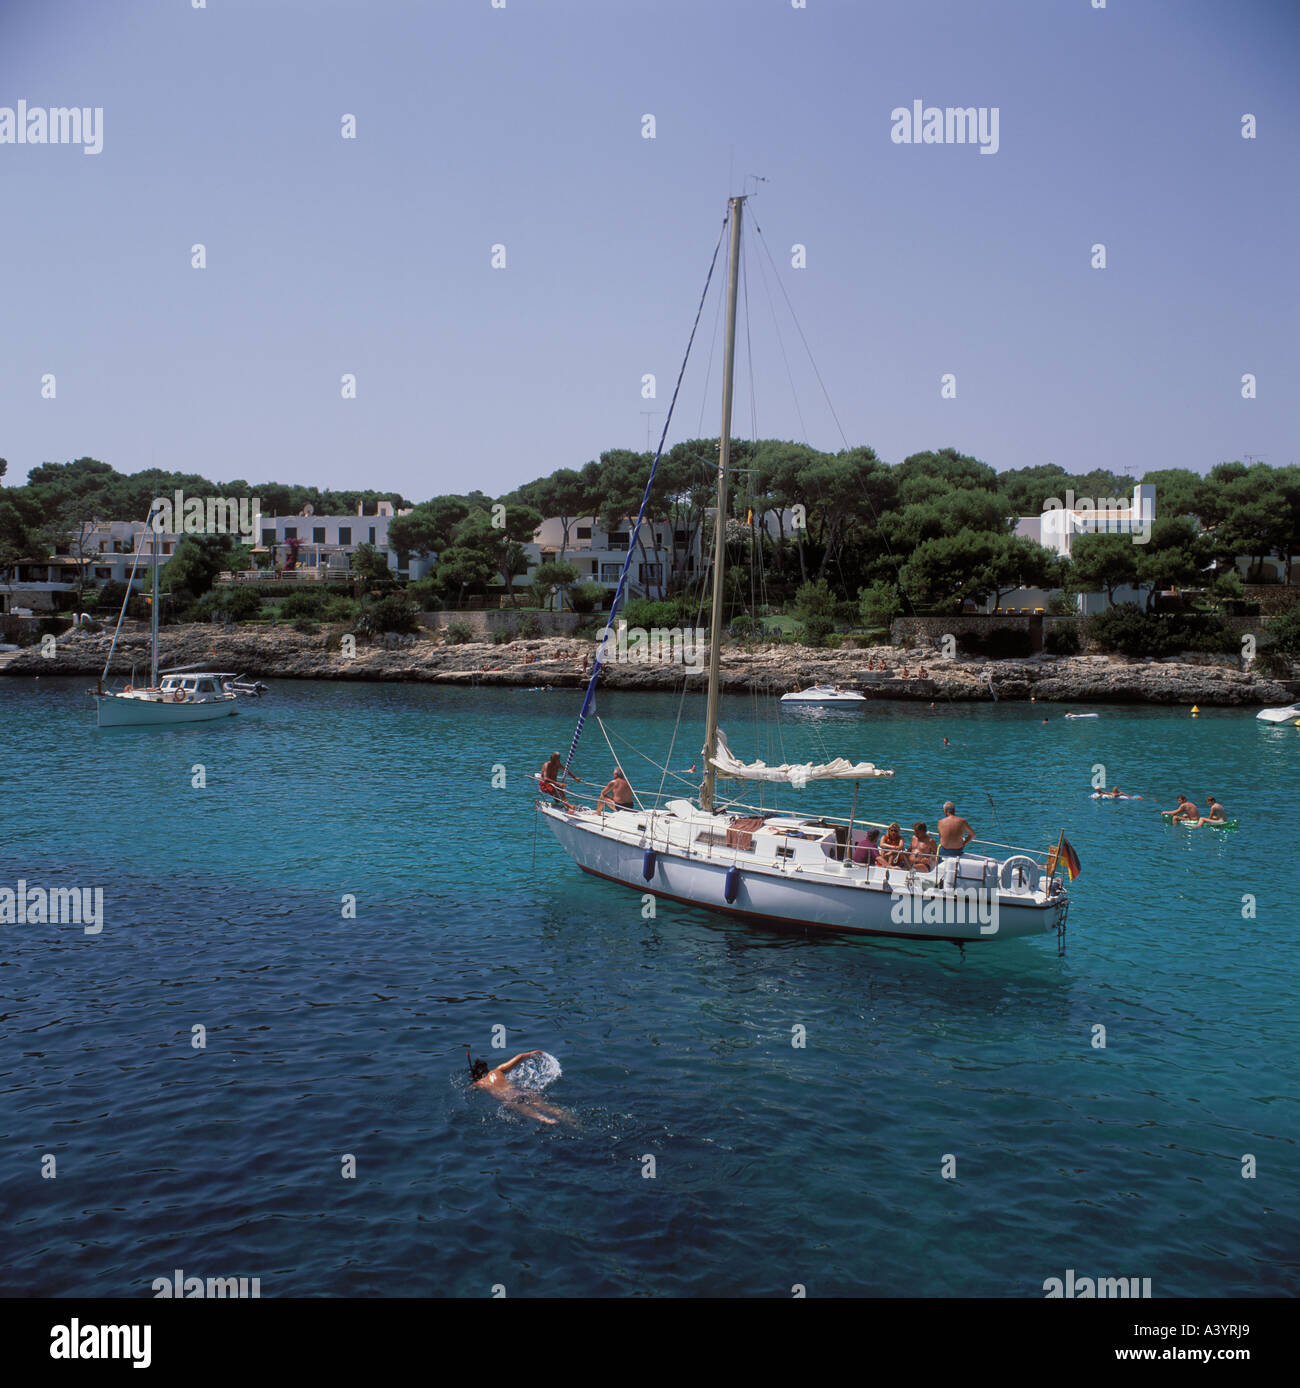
(523, 126)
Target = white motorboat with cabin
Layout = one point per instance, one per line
(790, 869)
(823, 694)
(1280, 717)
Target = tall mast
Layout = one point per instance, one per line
(720, 528)
(153, 643)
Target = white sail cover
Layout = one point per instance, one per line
(797, 776)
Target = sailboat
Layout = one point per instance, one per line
(177, 697)
(788, 869)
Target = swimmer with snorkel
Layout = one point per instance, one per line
(482, 1076)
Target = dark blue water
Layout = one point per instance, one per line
(774, 1165)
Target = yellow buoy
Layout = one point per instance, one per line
(1195, 710)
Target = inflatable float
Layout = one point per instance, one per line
(1168, 817)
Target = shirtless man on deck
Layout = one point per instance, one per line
(954, 832)
(496, 1083)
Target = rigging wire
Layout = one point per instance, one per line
(598, 662)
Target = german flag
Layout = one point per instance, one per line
(1066, 857)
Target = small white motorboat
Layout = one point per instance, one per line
(823, 694)
(1280, 716)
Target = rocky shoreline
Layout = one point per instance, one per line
(558, 662)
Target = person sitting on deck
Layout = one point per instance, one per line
(1185, 810)
(618, 793)
(924, 848)
(892, 851)
(866, 847)
(902, 673)
(921, 674)
(1217, 813)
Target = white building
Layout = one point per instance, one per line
(1057, 526)
(599, 554)
(326, 544)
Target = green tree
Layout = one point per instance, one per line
(1173, 558)
(370, 568)
(1102, 563)
(879, 604)
(1019, 562)
(945, 572)
(1178, 491)
(195, 564)
(548, 579)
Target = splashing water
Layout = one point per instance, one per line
(536, 1072)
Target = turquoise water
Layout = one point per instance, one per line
(774, 1165)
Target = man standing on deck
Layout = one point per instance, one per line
(954, 832)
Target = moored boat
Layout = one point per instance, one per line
(783, 868)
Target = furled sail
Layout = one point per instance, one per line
(797, 776)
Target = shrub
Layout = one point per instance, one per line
(816, 630)
(531, 626)
(305, 625)
(459, 633)
(503, 637)
(318, 603)
(879, 604)
(392, 612)
(1272, 665)
(1007, 643)
(1130, 631)
(1063, 640)
(241, 605)
(110, 602)
(588, 597)
(1285, 632)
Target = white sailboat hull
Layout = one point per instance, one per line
(131, 710)
(834, 897)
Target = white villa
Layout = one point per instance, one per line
(326, 544)
(1056, 527)
(599, 554)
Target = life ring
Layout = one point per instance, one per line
(1019, 874)
(126, 689)
(179, 696)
